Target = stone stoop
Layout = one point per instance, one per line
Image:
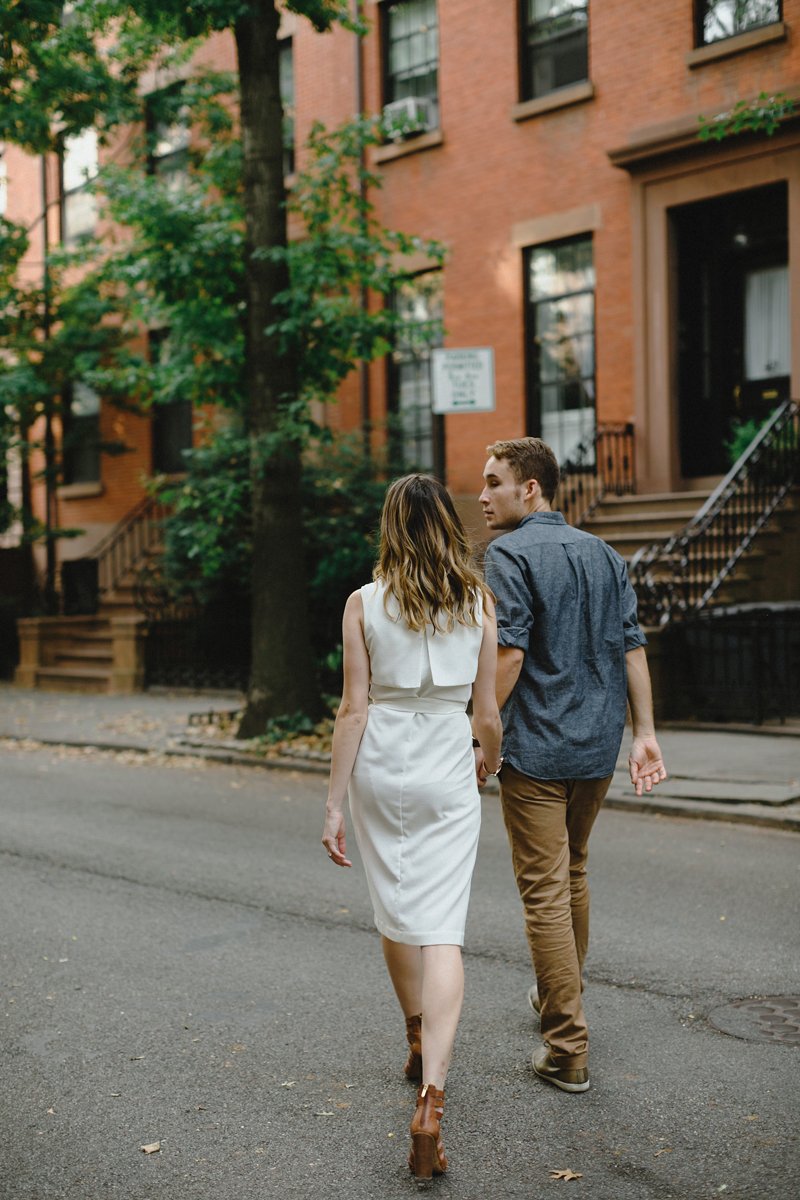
(103, 653)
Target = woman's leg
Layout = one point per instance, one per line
(442, 996)
(405, 971)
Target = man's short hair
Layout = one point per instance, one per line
(530, 458)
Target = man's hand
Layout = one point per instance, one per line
(646, 764)
(480, 766)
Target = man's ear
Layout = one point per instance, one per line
(532, 489)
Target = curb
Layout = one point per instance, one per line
(742, 814)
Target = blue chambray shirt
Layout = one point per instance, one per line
(564, 597)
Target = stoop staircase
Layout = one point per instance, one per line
(687, 550)
(634, 524)
(95, 653)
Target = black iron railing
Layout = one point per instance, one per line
(680, 577)
(602, 465)
(736, 663)
(124, 548)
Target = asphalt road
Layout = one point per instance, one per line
(180, 964)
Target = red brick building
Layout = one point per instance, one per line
(620, 269)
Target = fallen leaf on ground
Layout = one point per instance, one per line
(288, 1083)
(151, 1148)
(663, 1150)
(323, 1114)
(566, 1175)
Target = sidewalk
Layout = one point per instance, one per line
(735, 774)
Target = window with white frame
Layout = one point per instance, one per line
(172, 423)
(560, 283)
(718, 19)
(81, 437)
(168, 137)
(418, 432)
(78, 168)
(555, 45)
(411, 57)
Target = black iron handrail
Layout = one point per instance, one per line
(128, 542)
(601, 465)
(680, 576)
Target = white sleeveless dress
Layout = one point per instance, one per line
(414, 799)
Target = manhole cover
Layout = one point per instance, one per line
(765, 1019)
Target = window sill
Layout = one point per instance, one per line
(576, 93)
(80, 491)
(736, 44)
(425, 141)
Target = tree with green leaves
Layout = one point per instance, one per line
(53, 332)
(296, 342)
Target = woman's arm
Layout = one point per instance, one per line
(348, 728)
(486, 725)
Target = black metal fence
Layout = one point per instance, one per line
(738, 663)
(201, 648)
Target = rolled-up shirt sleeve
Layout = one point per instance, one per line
(631, 628)
(512, 598)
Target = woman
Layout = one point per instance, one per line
(418, 641)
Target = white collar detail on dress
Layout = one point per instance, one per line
(396, 652)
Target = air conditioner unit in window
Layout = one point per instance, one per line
(406, 117)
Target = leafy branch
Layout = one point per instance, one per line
(762, 115)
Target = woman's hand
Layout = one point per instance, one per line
(333, 838)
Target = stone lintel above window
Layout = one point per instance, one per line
(576, 93)
(555, 227)
(737, 44)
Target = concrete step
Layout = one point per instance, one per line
(679, 502)
(660, 524)
(72, 679)
(73, 656)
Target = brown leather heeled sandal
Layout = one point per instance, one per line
(413, 1067)
(427, 1157)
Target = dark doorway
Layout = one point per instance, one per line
(733, 319)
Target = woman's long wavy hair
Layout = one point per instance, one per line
(424, 557)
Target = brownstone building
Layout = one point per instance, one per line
(622, 271)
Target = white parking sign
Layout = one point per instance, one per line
(463, 380)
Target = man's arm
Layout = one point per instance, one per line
(645, 763)
(509, 665)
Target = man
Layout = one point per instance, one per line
(570, 650)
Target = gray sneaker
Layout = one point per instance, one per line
(533, 1000)
(569, 1079)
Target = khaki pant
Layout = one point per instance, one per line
(548, 823)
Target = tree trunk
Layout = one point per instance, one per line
(282, 676)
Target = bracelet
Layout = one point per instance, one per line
(499, 769)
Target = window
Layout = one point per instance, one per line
(168, 137)
(560, 286)
(418, 432)
(286, 67)
(78, 166)
(172, 422)
(411, 41)
(555, 45)
(81, 440)
(718, 19)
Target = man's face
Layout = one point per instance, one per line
(503, 499)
